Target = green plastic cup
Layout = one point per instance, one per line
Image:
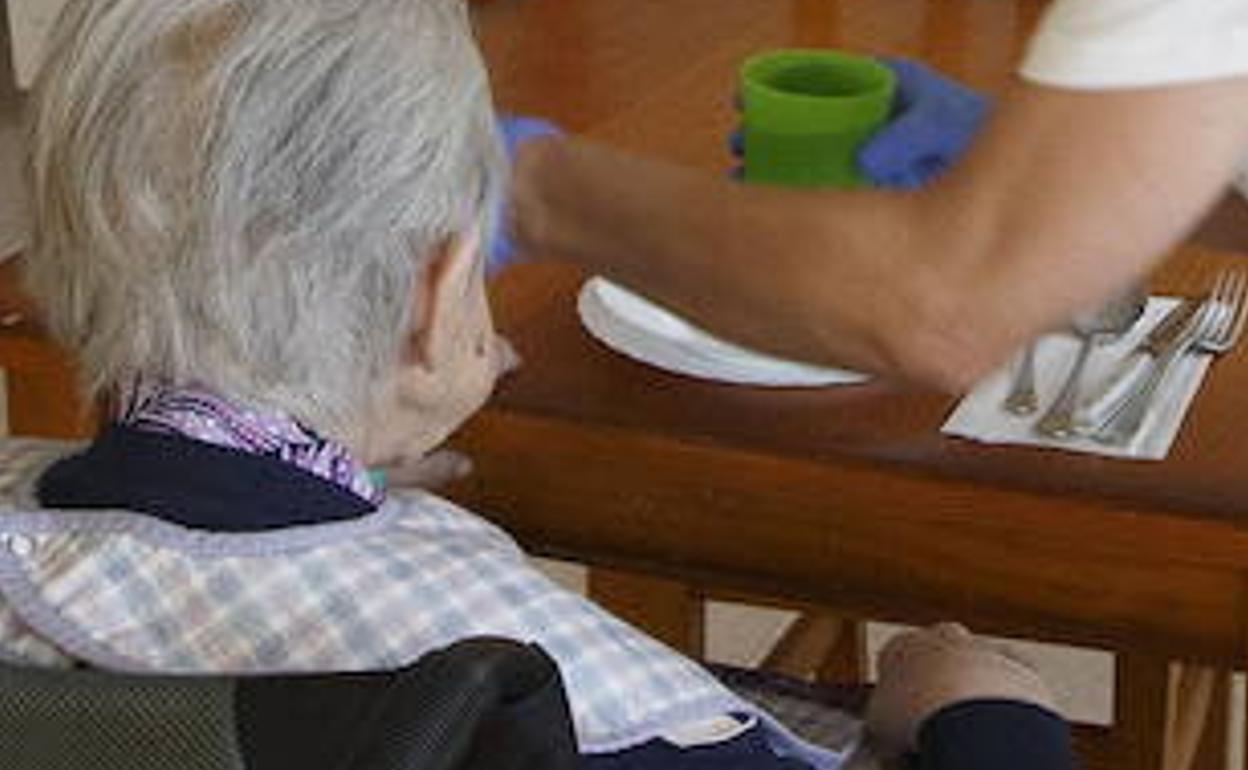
(806, 113)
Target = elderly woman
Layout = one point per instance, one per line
(259, 228)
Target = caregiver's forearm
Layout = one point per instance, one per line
(746, 261)
(1066, 197)
(1226, 226)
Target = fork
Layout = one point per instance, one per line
(1214, 329)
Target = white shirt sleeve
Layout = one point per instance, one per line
(1114, 44)
(1109, 44)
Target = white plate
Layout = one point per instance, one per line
(641, 330)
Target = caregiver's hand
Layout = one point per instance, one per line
(934, 121)
(515, 131)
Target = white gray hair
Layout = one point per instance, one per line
(241, 193)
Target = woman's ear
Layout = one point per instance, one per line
(432, 388)
(440, 291)
(440, 379)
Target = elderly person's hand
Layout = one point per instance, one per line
(515, 131)
(923, 672)
(935, 119)
(429, 471)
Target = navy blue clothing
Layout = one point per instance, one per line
(195, 484)
(995, 734)
(748, 751)
(974, 735)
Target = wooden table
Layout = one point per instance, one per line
(846, 497)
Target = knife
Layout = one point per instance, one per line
(1121, 383)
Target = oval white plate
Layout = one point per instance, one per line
(632, 325)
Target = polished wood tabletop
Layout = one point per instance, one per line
(846, 495)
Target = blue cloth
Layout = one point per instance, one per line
(514, 131)
(216, 594)
(212, 488)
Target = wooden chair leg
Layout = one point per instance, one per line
(668, 610)
(1169, 715)
(1187, 704)
(1210, 692)
(847, 663)
(820, 646)
(1141, 705)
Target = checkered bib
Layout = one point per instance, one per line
(125, 591)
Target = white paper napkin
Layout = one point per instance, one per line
(638, 328)
(979, 415)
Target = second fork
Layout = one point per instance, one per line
(1215, 328)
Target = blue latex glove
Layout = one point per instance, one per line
(934, 121)
(514, 131)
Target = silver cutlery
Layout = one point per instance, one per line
(1107, 323)
(1214, 329)
(1021, 400)
(1127, 375)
